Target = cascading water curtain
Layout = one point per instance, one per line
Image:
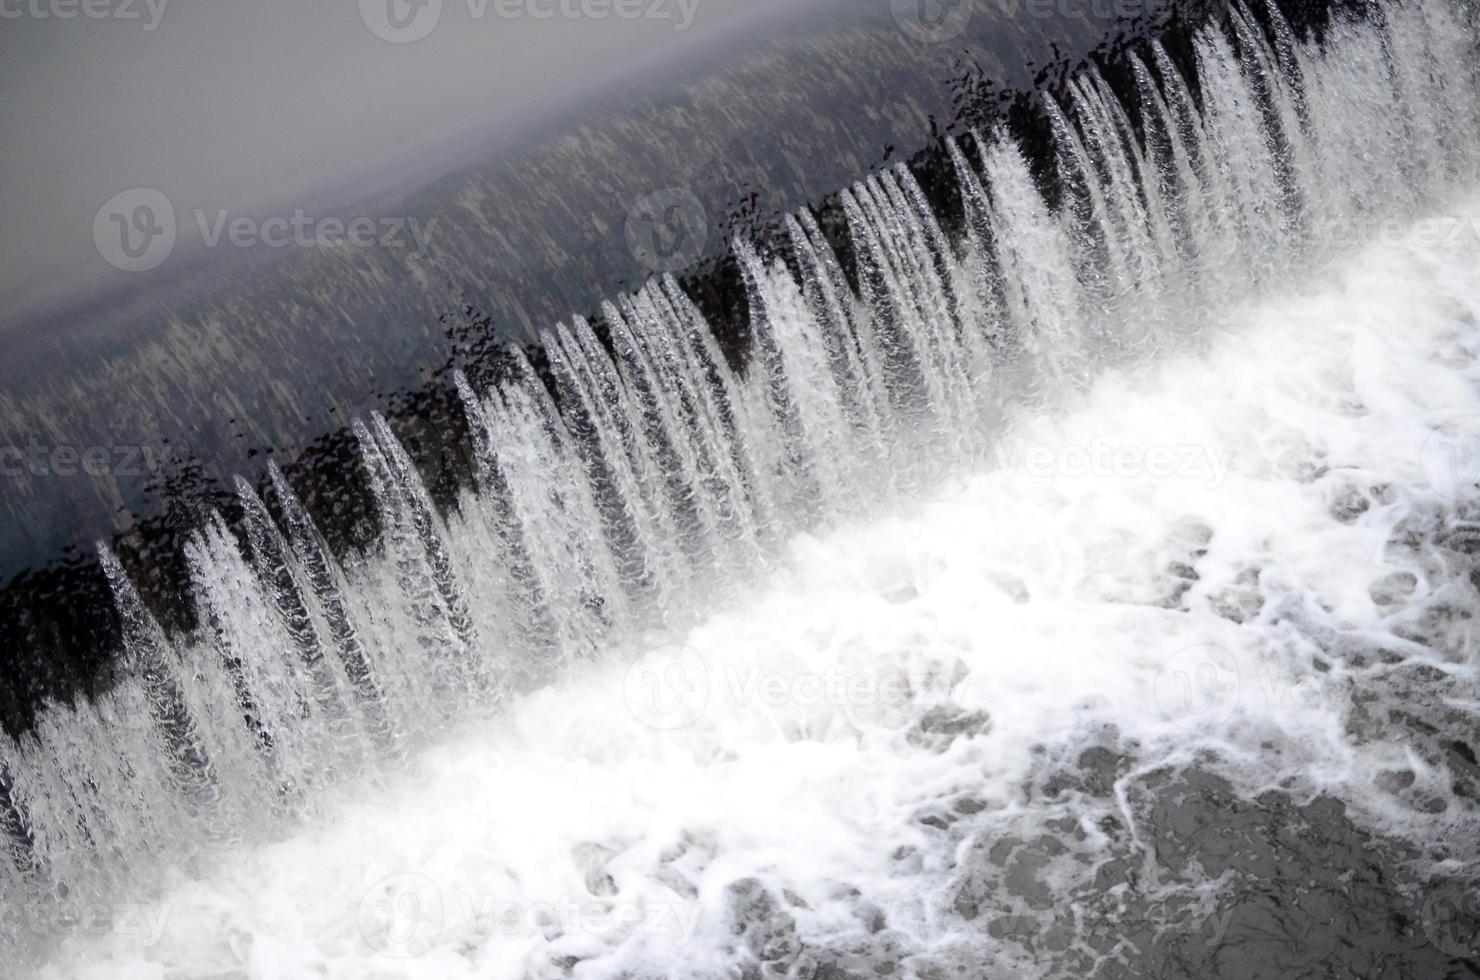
(654, 473)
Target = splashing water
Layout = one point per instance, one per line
(651, 482)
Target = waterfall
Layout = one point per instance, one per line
(647, 475)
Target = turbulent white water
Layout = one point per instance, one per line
(774, 739)
(937, 535)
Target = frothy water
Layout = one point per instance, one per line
(1179, 472)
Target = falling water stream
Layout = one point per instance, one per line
(647, 498)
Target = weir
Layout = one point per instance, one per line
(187, 375)
(634, 474)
